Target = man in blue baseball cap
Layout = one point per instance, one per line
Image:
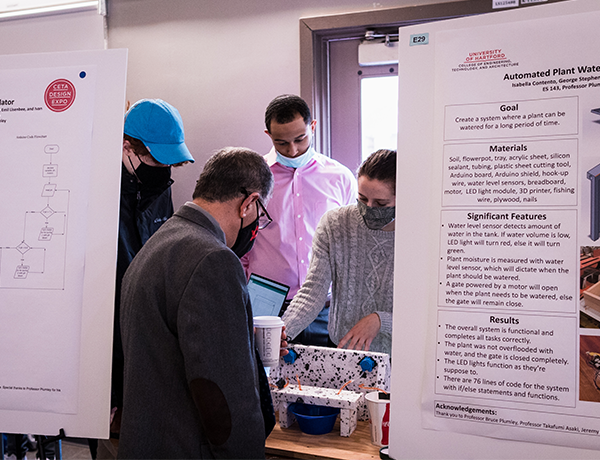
(153, 141)
(158, 125)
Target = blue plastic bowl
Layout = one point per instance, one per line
(314, 419)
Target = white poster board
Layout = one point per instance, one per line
(496, 139)
(61, 122)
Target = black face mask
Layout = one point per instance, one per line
(245, 239)
(152, 176)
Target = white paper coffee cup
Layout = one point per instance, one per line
(379, 414)
(268, 338)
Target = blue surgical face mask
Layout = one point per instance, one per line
(298, 161)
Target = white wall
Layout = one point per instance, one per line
(219, 62)
(79, 31)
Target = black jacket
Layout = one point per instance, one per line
(143, 210)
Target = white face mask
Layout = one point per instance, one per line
(376, 218)
(297, 162)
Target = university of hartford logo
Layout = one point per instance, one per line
(485, 59)
(485, 56)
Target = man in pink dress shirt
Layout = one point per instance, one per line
(307, 184)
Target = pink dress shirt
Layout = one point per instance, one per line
(301, 196)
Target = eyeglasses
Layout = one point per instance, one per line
(264, 219)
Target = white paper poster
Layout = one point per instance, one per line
(60, 133)
(45, 133)
(516, 134)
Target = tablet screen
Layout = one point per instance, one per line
(266, 296)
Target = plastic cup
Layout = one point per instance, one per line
(268, 338)
(379, 415)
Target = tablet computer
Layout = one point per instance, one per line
(266, 295)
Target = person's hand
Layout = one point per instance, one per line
(362, 334)
(283, 344)
(283, 347)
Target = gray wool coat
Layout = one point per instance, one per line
(191, 386)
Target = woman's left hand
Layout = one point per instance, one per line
(362, 334)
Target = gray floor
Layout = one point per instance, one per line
(75, 450)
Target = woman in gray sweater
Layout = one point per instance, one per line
(353, 252)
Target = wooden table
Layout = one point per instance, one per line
(292, 443)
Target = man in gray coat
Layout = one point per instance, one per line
(191, 375)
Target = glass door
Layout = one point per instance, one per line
(378, 114)
(363, 105)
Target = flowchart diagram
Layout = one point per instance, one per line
(37, 260)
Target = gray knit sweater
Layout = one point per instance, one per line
(360, 261)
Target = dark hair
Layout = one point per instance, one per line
(137, 145)
(380, 165)
(140, 149)
(232, 171)
(285, 108)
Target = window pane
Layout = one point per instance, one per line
(379, 114)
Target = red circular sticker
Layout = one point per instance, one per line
(59, 95)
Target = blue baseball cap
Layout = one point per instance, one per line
(159, 126)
